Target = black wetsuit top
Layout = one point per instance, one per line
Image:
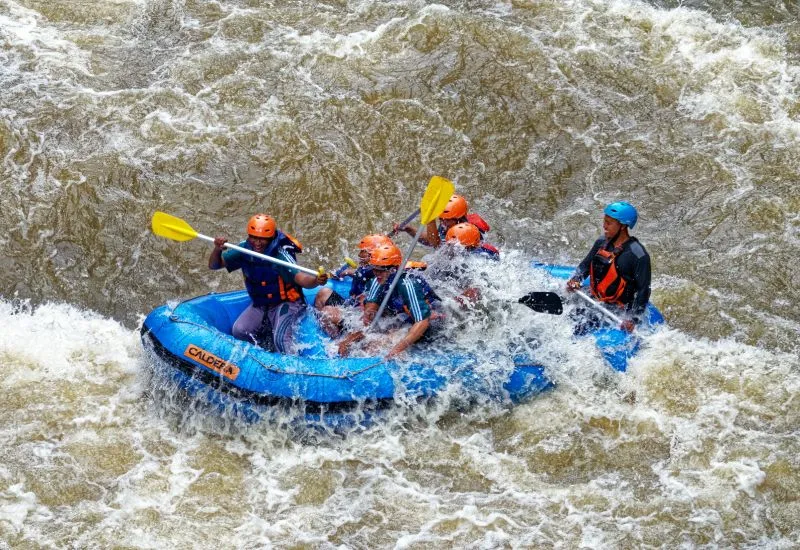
(633, 264)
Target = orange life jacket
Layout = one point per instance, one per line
(606, 284)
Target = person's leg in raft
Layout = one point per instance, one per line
(264, 337)
(328, 303)
(248, 324)
(284, 318)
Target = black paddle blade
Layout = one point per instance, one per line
(543, 302)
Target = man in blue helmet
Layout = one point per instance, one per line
(618, 267)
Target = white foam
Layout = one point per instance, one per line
(59, 341)
(25, 29)
(352, 44)
(725, 63)
(18, 505)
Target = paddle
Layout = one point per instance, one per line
(433, 203)
(404, 223)
(348, 263)
(543, 302)
(550, 302)
(176, 229)
(588, 299)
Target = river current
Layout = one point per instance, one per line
(332, 116)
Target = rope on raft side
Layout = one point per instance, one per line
(347, 376)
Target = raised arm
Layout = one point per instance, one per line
(215, 260)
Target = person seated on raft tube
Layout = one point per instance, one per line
(276, 291)
(455, 212)
(329, 302)
(466, 237)
(409, 296)
(618, 267)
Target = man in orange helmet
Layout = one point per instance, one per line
(409, 296)
(328, 301)
(454, 213)
(276, 291)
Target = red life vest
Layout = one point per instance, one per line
(477, 221)
(606, 284)
(488, 251)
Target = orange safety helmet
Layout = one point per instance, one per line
(456, 208)
(371, 242)
(464, 233)
(387, 255)
(262, 226)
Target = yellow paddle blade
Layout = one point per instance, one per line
(171, 227)
(351, 262)
(435, 199)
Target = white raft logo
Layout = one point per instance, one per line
(228, 370)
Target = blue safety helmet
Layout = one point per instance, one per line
(623, 212)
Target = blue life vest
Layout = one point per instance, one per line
(361, 279)
(263, 279)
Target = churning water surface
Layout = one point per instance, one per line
(332, 116)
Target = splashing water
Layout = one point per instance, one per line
(332, 117)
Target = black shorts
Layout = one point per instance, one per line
(334, 300)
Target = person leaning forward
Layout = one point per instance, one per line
(411, 296)
(275, 291)
(618, 267)
(330, 303)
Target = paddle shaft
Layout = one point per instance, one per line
(433, 203)
(403, 223)
(395, 280)
(599, 307)
(262, 256)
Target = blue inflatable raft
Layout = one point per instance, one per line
(616, 345)
(194, 340)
